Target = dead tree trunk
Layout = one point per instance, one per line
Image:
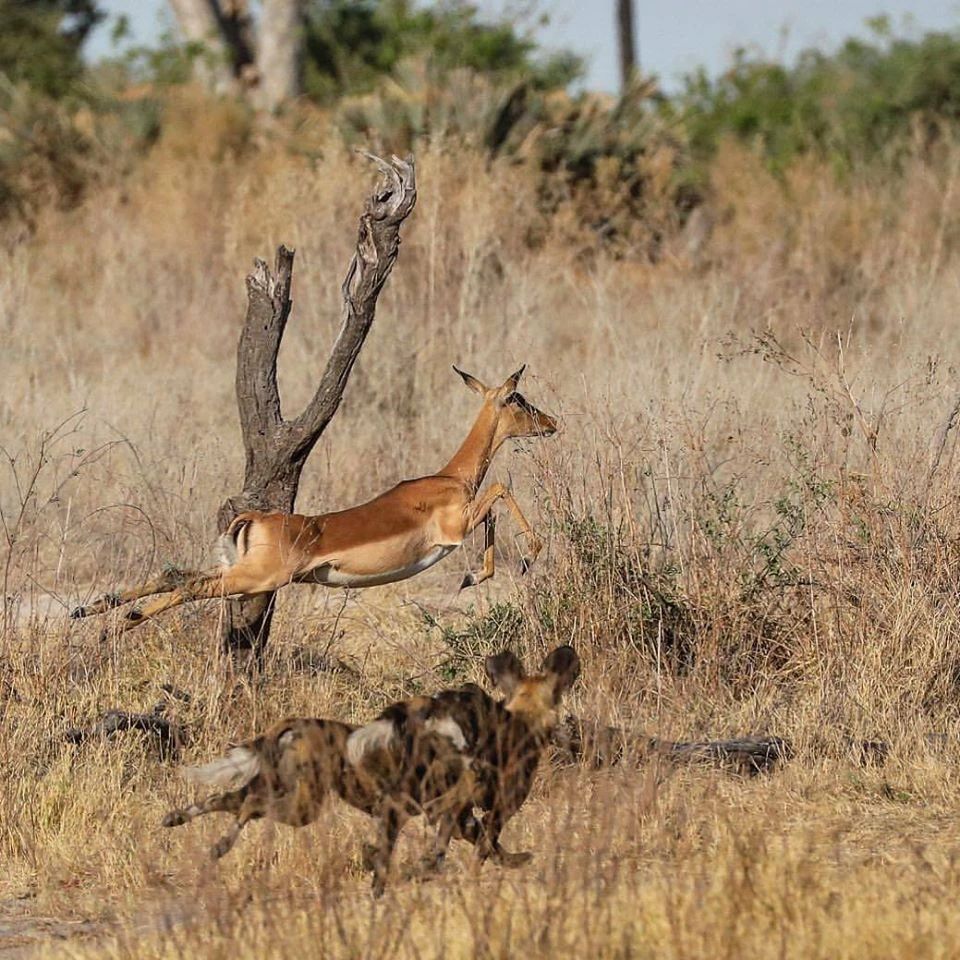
(277, 449)
(627, 43)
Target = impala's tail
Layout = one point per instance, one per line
(232, 544)
(231, 772)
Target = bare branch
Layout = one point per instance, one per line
(378, 243)
(258, 398)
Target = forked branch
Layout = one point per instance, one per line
(378, 243)
(277, 448)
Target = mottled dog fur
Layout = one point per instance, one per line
(460, 758)
(501, 740)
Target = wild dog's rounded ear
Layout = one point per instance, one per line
(504, 670)
(472, 382)
(564, 664)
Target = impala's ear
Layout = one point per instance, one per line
(510, 384)
(505, 671)
(564, 664)
(472, 382)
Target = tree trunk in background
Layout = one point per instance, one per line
(627, 43)
(279, 52)
(277, 449)
(225, 30)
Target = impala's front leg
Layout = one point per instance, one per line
(489, 539)
(480, 510)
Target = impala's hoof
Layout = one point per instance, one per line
(469, 580)
(525, 565)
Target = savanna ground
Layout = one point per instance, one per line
(750, 521)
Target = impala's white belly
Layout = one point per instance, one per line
(332, 577)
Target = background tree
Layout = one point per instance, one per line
(626, 42)
(40, 41)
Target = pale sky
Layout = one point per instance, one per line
(675, 36)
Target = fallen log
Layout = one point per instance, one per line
(583, 741)
(170, 736)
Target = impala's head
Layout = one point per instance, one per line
(516, 415)
(535, 698)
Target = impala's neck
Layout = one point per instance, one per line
(472, 459)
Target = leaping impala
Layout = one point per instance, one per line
(395, 536)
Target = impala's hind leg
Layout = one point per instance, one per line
(205, 586)
(169, 580)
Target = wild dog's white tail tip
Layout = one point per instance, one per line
(374, 736)
(233, 771)
(449, 728)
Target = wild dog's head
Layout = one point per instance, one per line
(534, 698)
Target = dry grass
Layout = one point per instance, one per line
(750, 520)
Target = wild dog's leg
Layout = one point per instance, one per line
(169, 580)
(472, 830)
(432, 862)
(481, 508)
(207, 586)
(219, 803)
(488, 843)
(251, 810)
(448, 812)
(489, 538)
(391, 822)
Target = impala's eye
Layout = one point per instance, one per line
(520, 401)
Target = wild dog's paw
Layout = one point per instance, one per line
(368, 856)
(510, 860)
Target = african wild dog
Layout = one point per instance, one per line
(439, 756)
(287, 773)
(503, 741)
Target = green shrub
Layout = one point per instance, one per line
(861, 103)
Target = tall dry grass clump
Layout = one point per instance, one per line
(750, 523)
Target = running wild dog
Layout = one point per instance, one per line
(501, 740)
(461, 758)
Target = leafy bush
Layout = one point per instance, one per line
(610, 168)
(41, 39)
(860, 103)
(350, 46)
